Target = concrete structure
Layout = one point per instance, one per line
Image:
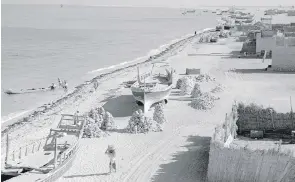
(291, 13)
(270, 12)
(265, 40)
(283, 57)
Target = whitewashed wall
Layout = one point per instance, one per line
(265, 43)
(283, 58)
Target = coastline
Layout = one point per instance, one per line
(44, 110)
(180, 152)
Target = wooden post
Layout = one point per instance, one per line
(13, 156)
(20, 153)
(291, 113)
(26, 153)
(55, 152)
(7, 149)
(273, 124)
(39, 146)
(33, 148)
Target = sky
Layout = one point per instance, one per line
(158, 3)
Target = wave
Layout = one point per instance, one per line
(152, 52)
(116, 65)
(14, 115)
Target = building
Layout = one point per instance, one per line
(283, 57)
(291, 13)
(265, 40)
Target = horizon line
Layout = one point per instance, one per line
(130, 6)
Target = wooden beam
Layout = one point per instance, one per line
(7, 149)
(28, 167)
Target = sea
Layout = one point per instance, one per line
(41, 43)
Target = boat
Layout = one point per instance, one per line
(31, 90)
(153, 86)
(214, 39)
(48, 158)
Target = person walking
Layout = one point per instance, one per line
(95, 84)
(111, 152)
(76, 118)
(65, 86)
(59, 82)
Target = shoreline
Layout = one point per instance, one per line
(43, 110)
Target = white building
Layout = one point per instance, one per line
(291, 13)
(283, 54)
(265, 40)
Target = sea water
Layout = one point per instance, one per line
(41, 43)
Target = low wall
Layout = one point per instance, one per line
(229, 163)
(283, 58)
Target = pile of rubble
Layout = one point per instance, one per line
(158, 115)
(98, 121)
(139, 123)
(189, 81)
(205, 101)
(186, 85)
(218, 88)
(204, 78)
(196, 91)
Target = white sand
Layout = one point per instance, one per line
(180, 152)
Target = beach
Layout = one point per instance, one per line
(78, 43)
(181, 151)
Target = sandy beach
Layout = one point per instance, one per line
(181, 151)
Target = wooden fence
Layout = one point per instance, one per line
(229, 163)
(252, 117)
(16, 155)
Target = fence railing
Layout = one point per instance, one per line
(65, 162)
(24, 151)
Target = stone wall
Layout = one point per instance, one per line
(231, 163)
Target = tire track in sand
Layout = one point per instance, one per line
(140, 169)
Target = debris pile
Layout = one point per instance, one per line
(205, 102)
(218, 88)
(196, 91)
(187, 85)
(108, 122)
(139, 123)
(180, 81)
(98, 120)
(204, 78)
(158, 115)
(92, 129)
(192, 79)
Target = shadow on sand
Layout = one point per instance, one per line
(263, 71)
(86, 175)
(114, 106)
(188, 166)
